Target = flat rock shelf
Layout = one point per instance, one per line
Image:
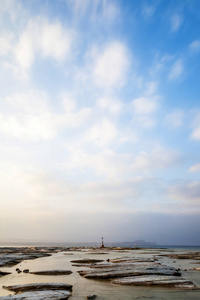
(15, 255)
(39, 295)
(156, 280)
(39, 291)
(38, 287)
(127, 271)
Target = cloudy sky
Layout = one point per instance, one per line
(100, 120)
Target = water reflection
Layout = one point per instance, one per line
(103, 289)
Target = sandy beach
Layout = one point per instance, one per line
(109, 273)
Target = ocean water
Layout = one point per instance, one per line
(83, 287)
(177, 247)
(62, 244)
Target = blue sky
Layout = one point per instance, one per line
(100, 120)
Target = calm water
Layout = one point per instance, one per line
(176, 247)
(104, 289)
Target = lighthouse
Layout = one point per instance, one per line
(102, 244)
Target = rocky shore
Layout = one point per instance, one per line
(137, 272)
(12, 256)
(133, 267)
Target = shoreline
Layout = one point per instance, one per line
(47, 264)
(95, 245)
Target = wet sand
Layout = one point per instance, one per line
(61, 259)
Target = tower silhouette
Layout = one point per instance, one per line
(102, 244)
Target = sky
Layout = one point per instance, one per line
(100, 120)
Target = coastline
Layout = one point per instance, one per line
(95, 244)
(61, 259)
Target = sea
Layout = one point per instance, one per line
(97, 244)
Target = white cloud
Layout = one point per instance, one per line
(128, 135)
(188, 191)
(176, 22)
(68, 102)
(96, 10)
(144, 121)
(196, 127)
(17, 175)
(38, 188)
(28, 116)
(80, 6)
(102, 134)
(176, 70)
(55, 40)
(195, 168)
(196, 133)
(195, 46)
(110, 11)
(143, 111)
(111, 164)
(33, 102)
(114, 106)
(106, 163)
(17, 71)
(42, 126)
(44, 38)
(148, 11)
(174, 119)
(144, 106)
(24, 51)
(158, 159)
(151, 87)
(112, 192)
(6, 44)
(111, 66)
(11, 9)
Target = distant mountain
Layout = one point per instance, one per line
(143, 243)
(140, 243)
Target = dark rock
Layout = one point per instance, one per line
(26, 271)
(194, 255)
(86, 261)
(97, 253)
(91, 297)
(52, 272)
(4, 273)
